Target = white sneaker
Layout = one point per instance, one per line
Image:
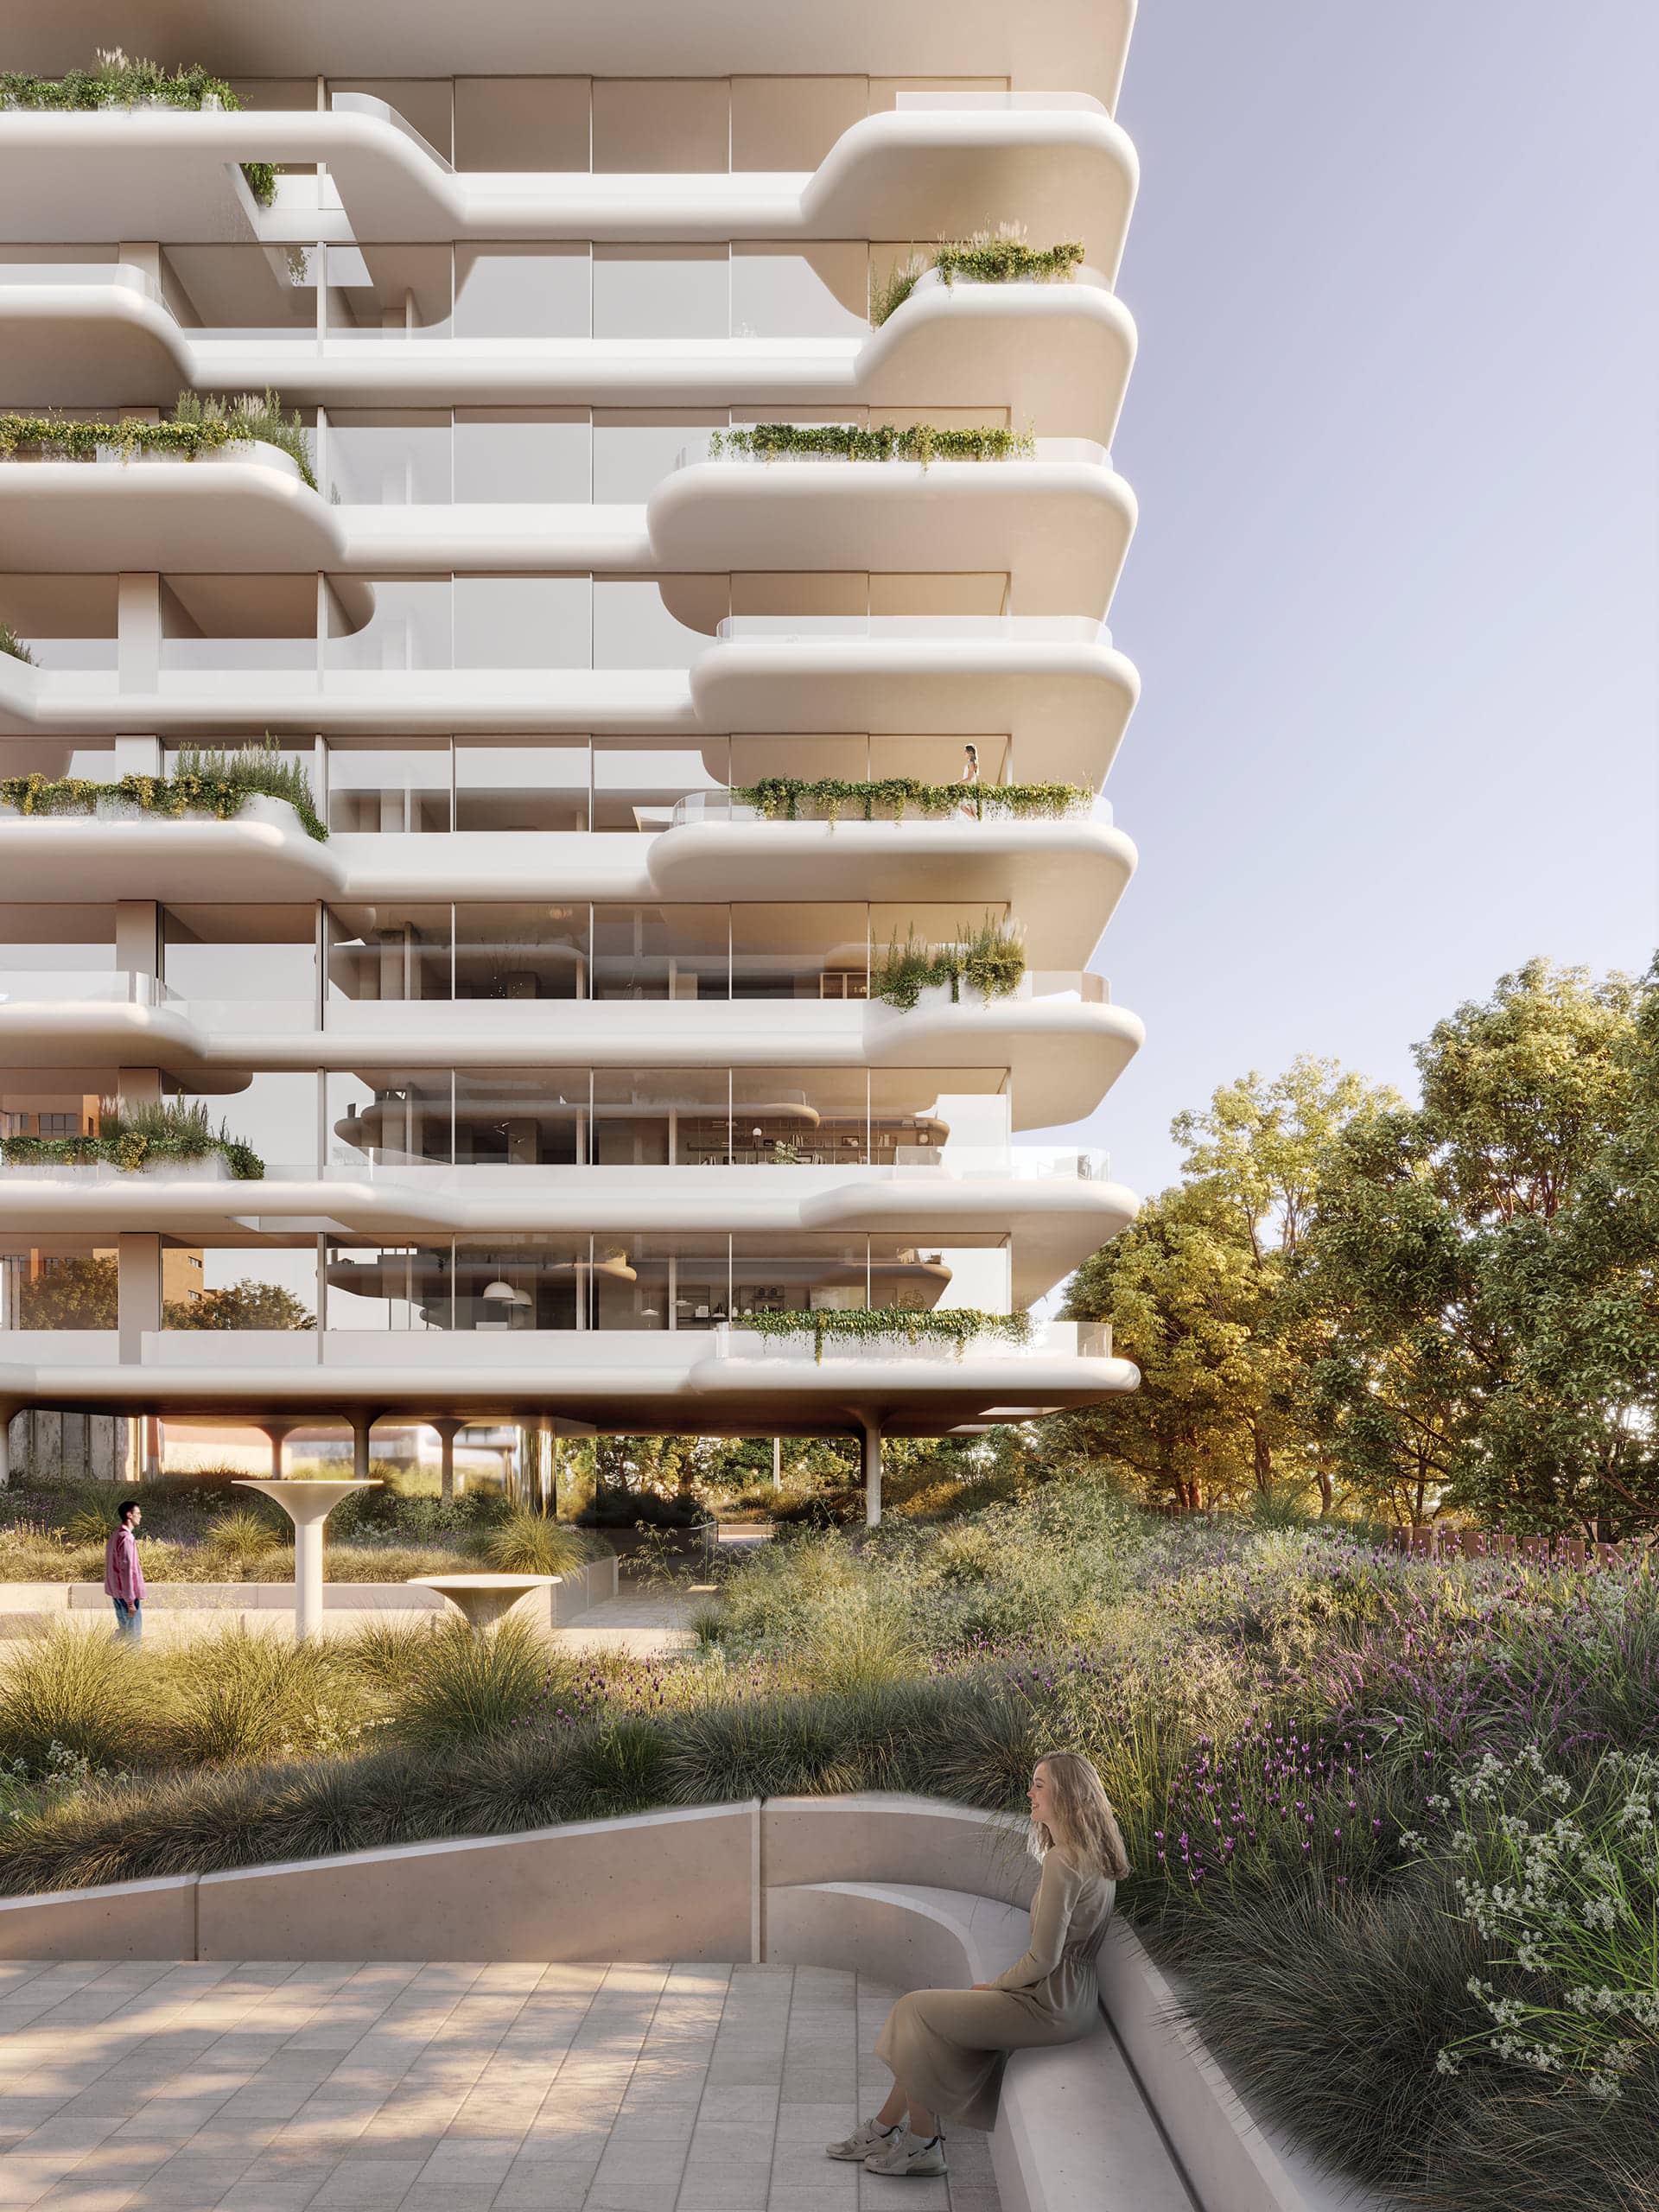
(870, 2136)
(908, 2157)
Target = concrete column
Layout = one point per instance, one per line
(139, 1086)
(138, 1292)
(277, 1431)
(362, 1425)
(447, 1428)
(152, 1447)
(777, 1462)
(5, 1446)
(137, 756)
(138, 632)
(871, 1431)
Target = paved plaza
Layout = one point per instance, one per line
(510, 2088)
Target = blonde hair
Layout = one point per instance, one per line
(1083, 1824)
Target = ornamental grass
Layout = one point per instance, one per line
(119, 81)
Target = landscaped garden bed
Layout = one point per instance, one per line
(1337, 1768)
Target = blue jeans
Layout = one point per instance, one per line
(128, 1619)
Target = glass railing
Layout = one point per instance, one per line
(924, 629)
(1019, 1163)
(1029, 103)
(58, 986)
(1049, 1340)
(721, 806)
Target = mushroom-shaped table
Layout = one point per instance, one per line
(483, 1599)
(307, 1505)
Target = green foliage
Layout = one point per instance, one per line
(118, 82)
(612, 1507)
(921, 442)
(133, 1137)
(959, 1325)
(530, 1543)
(245, 1304)
(457, 1686)
(987, 955)
(216, 783)
(200, 425)
(12, 644)
(782, 797)
(1002, 256)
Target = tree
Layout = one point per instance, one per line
(1448, 1264)
(71, 1293)
(1195, 1292)
(245, 1304)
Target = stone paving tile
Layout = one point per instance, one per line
(449, 2087)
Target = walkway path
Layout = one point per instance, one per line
(645, 1619)
(141, 2088)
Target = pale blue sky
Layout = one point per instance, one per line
(1393, 594)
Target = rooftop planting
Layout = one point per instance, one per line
(12, 644)
(781, 798)
(219, 784)
(134, 1137)
(119, 82)
(199, 425)
(999, 257)
(988, 956)
(922, 441)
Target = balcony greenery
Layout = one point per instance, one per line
(957, 1326)
(999, 257)
(988, 956)
(200, 424)
(132, 1137)
(922, 441)
(12, 644)
(119, 82)
(782, 798)
(219, 784)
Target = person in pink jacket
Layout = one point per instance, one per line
(124, 1579)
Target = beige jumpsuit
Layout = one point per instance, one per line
(949, 2046)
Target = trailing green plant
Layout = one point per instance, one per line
(216, 783)
(922, 441)
(998, 257)
(987, 955)
(782, 798)
(119, 81)
(959, 1325)
(133, 1137)
(200, 424)
(12, 644)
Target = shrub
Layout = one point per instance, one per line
(987, 955)
(643, 1509)
(219, 784)
(131, 1137)
(199, 425)
(12, 644)
(1002, 256)
(530, 1543)
(921, 442)
(118, 82)
(782, 797)
(958, 1325)
(459, 1685)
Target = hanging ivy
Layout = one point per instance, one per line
(200, 425)
(956, 1325)
(782, 798)
(988, 956)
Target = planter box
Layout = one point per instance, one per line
(211, 1167)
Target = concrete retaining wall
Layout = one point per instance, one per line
(27, 1608)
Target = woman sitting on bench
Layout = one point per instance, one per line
(947, 2047)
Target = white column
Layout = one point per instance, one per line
(872, 1435)
(777, 1462)
(446, 1429)
(137, 1294)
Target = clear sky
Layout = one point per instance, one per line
(1393, 594)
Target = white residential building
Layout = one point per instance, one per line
(569, 1050)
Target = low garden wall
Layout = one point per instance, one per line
(28, 1608)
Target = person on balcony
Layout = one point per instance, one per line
(947, 2047)
(124, 1579)
(969, 778)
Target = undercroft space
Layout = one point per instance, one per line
(442, 2087)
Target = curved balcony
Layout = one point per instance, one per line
(1063, 878)
(1058, 526)
(1056, 686)
(615, 1378)
(1057, 355)
(1063, 1042)
(1081, 43)
(913, 171)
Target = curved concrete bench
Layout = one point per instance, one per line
(910, 1890)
